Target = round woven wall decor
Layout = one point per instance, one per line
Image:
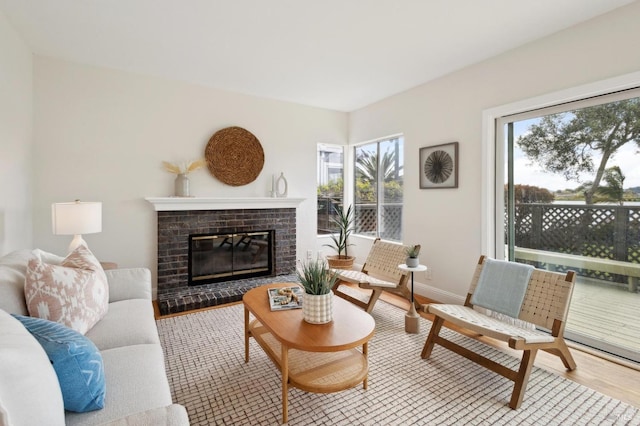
(234, 156)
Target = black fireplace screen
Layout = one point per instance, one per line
(230, 256)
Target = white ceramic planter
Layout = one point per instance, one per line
(317, 309)
(412, 262)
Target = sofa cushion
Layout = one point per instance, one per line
(76, 361)
(115, 330)
(173, 415)
(29, 389)
(136, 381)
(13, 268)
(129, 283)
(47, 257)
(74, 293)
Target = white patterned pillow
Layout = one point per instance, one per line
(74, 293)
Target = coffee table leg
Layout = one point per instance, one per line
(246, 335)
(285, 383)
(365, 352)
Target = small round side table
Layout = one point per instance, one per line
(412, 319)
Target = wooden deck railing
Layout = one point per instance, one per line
(630, 270)
(366, 219)
(602, 232)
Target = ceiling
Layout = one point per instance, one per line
(335, 54)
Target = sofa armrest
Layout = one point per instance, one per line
(172, 415)
(129, 283)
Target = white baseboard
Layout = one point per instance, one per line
(437, 294)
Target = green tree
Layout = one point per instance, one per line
(525, 194)
(566, 142)
(367, 166)
(614, 190)
(333, 189)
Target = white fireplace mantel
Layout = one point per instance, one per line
(210, 203)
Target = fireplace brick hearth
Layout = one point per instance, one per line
(174, 293)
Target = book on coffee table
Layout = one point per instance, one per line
(285, 298)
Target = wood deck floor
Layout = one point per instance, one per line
(606, 313)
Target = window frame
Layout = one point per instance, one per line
(345, 184)
(612, 90)
(380, 186)
(492, 156)
(505, 145)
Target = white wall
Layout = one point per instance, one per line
(16, 112)
(101, 135)
(447, 222)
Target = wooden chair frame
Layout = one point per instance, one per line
(546, 304)
(379, 273)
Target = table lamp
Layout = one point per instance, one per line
(76, 218)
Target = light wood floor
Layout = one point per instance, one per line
(611, 377)
(606, 313)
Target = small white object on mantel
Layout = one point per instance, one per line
(217, 203)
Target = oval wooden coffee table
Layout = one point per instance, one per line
(319, 358)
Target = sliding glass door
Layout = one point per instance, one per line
(568, 198)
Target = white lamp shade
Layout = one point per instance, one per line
(76, 218)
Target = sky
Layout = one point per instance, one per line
(527, 173)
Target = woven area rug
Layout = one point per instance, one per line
(204, 356)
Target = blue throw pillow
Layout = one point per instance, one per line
(76, 360)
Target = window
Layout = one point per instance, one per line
(378, 188)
(568, 197)
(330, 180)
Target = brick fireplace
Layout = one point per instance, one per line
(180, 217)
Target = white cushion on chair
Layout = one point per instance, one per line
(473, 320)
(357, 277)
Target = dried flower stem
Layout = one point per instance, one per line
(184, 167)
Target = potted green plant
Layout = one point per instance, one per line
(412, 256)
(317, 280)
(344, 221)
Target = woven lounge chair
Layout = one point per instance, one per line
(379, 273)
(545, 304)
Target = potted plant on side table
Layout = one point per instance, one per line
(317, 280)
(344, 222)
(412, 260)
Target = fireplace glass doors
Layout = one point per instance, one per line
(230, 256)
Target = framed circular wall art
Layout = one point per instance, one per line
(439, 166)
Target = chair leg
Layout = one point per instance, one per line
(562, 351)
(348, 298)
(373, 299)
(336, 285)
(433, 333)
(522, 378)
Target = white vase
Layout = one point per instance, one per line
(281, 186)
(182, 185)
(317, 308)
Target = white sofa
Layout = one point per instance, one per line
(137, 390)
